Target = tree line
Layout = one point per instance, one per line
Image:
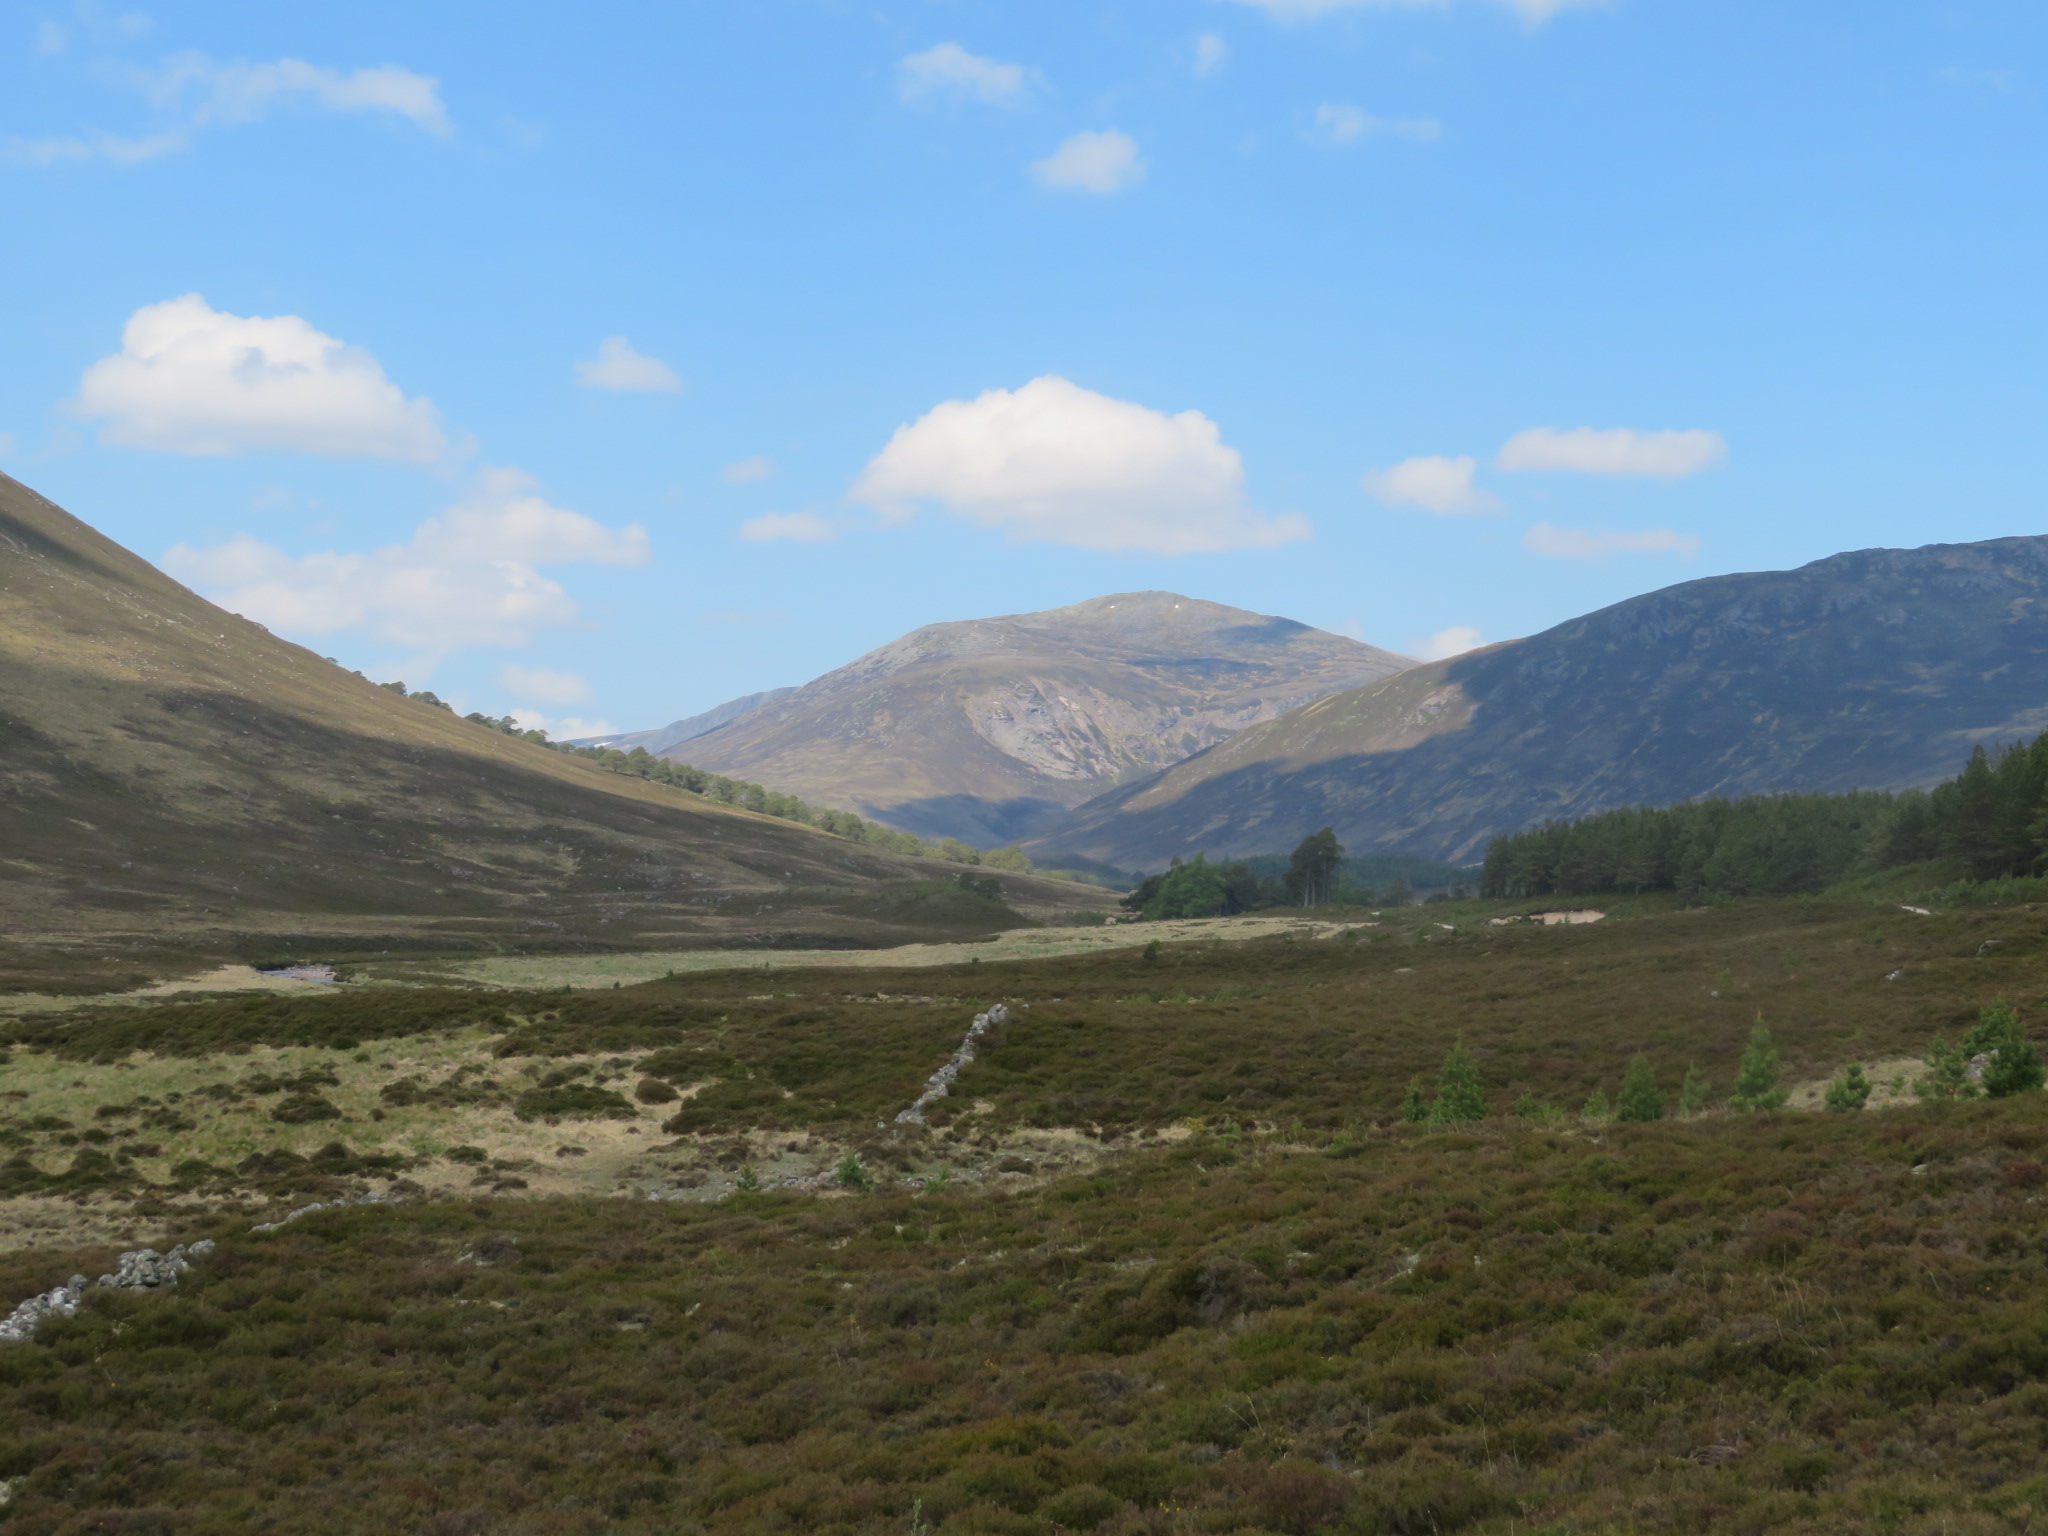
(1990, 822)
(1315, 874)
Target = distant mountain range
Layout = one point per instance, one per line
(662, 740)
(991, 729)
(1878, 669)
(174, 778)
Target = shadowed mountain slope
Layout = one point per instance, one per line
(666, 737)
(987, 729)
(172, 775)
(1877, 669)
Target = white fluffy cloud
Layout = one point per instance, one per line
(1440, 485)
(1592, 544)
(747, 471)
(1446, 643)
(467, 577)
(618, 366)
(193, 379)
(1092, 162)
(1614, 451)
(795, 527)
(1211, 53)
(210, 92)
(538, 685)
(951, 72)
(1056, 463)
(1534, 12)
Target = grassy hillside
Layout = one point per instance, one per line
(1170, 1264)
(1877, 669)
(175, 780)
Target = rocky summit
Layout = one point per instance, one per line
(991, 729)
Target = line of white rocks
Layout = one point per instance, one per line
(940, 1083)
(144, 1269)
(147, 1269)
(324, 1205)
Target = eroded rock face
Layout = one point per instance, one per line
(987, 728)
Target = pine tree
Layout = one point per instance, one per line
(1312, 868)
(1849, 1092)
(1948, 1073)
(2015, 1065)
(1459, 1096)
(1414, 1107)
(1596, 1106)
(1756, 1081)
(1639, 1100)
(1692, 1093)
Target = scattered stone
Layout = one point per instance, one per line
(940, 1083)
(321, 973)
(324, 1205)
(142, 1269)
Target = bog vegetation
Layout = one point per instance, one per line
(1592, 1273)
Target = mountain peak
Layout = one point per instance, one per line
(985, 729)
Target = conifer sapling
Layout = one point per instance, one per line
(1639, 1101)
(2015, 1065)
(1756, 1081)
(1849, 1092)
(1414, 1107)
(1459, 1096)
(1692, 1093)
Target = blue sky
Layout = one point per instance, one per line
(606, 362)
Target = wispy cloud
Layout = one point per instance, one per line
(540, 685)
(470, 576)
(793, 527)
(620, 368)
(950, 72)
(747, 471)
(1339, 123)
(1534, 12)
(1614, 451)
(1446, 643)
(1092, 162)
(1593, 544)
(1211, 54)
(196, 92)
